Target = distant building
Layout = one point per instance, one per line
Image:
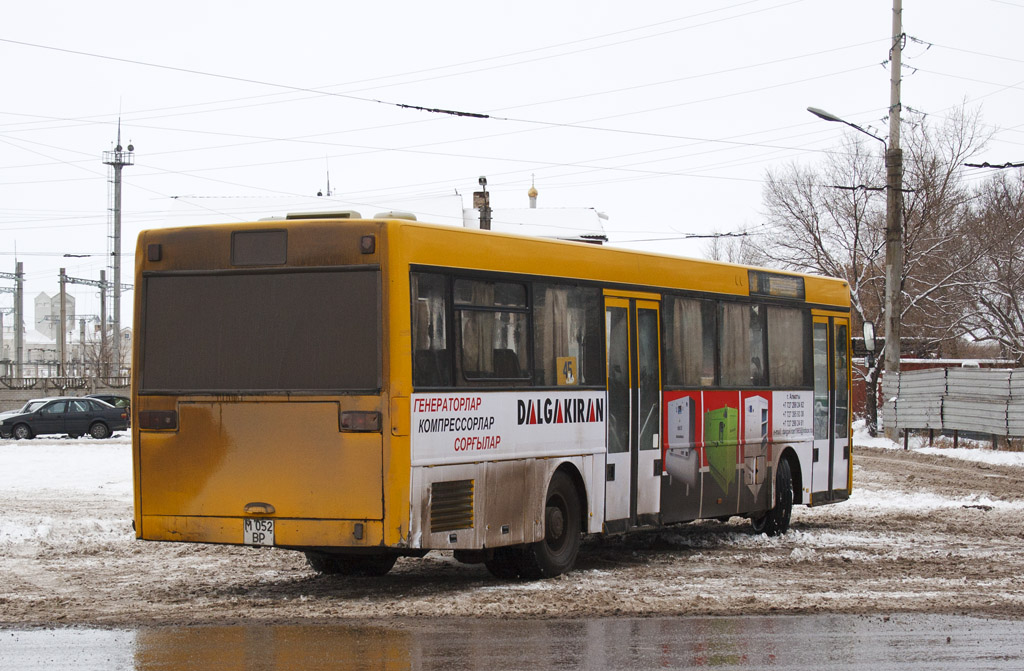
(48, 314)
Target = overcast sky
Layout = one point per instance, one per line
(665, 115)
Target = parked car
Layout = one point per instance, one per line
(69, 415)
(112, 399)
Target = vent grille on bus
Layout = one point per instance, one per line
(451, 505)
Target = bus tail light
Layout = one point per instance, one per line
(157, 420)
(360, 421)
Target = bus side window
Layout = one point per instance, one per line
(491, 332)
(688, 342)
(567, 325)
(432, 363)
(788, 332)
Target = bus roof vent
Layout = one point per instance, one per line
(339, 214)
(395, 215)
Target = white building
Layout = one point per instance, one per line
(48, 314)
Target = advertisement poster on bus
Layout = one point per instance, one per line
(792, 416)
(682, 430)
(480, 426)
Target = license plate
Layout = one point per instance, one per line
(257, 531)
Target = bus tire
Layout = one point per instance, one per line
(556, 553)
(506, 563)
(776, 521)
(330, 563)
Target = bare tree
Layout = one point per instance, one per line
(830, 219)
(941, 250)
(995, 299)
(730, 247)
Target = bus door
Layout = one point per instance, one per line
(633, 467)
(831, 457)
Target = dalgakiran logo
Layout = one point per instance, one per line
(560, 411)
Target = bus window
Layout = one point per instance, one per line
(842, 391)
(617, 323)
(229, 331)
(649, 378)
(431, 358)
(787, 346)
(567, 335)
(758, 347)
(492, 331)
(742, 346)
(821, 396)
(689, 341)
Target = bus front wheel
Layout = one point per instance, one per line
(330, 563)
(776, 521)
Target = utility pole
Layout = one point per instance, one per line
(894, 211)
(19, 314)
(482, 201)
(117, 160)
(3, 311)
(103, 286)
(62, 345)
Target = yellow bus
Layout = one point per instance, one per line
(365, 389)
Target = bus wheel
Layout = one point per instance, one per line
(506, 563)
(330, 563)
(776, 521)
(556, 554)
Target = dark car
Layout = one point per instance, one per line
(70, 415)
(112, 399)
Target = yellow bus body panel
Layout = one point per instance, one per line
(290, 455)
(288, 532)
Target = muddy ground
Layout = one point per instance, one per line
(922, 534)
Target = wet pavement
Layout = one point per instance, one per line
(866, 643)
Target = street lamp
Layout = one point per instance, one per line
(893, 244)
(828, 116)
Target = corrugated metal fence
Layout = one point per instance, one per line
(979, 400)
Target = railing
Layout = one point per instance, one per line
(979, 400)
(65, 383)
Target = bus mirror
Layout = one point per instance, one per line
(869, 336)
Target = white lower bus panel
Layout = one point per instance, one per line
(495, 503)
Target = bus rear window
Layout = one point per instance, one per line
(262, 332)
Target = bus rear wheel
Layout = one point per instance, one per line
(556, 552)
(366, 565)
(506, 563)
(776, 521)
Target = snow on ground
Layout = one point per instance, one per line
(981, 454)
(81, 464)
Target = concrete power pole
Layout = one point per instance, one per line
(62, 337)
(117, 160)
(894, 212)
